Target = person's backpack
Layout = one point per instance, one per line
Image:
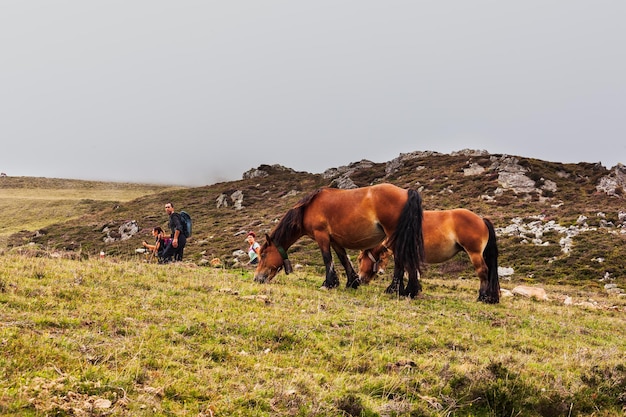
(187, 223)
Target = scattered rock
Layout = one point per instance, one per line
(401, 364)
(237, 199)
(530, 292)
(533, 231)
(258, 297)
(588, 304)
(505, 272)
(102, 403)
(222, 201)
(290, 194)
(506, 293)
(474, 169)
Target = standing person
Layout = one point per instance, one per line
(254, 251)
(177, 245)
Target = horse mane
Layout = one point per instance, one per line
(289, 228)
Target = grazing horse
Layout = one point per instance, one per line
(446, 233)
(359, 218)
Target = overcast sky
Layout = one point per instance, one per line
(195, 92)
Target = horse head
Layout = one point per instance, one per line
(273, 258)
(372, 262)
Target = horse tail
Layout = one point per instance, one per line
(407, 241)
(490, 255)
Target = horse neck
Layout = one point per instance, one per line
(285, 236)
(289, 230)
(285, 241)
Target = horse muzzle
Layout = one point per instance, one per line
(267, 275)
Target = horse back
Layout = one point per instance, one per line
(358, 218)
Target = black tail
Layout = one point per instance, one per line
(490, 255)
(407, 242)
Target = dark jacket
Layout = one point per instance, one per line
(176, 223)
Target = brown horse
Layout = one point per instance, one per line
(446, 233)
(358, 219)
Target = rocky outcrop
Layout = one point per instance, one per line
(534, 230)
(235, 199)
(341, 176)
(266, 170)
(395, 164)
(124, 232)
(614, 184)
(512, 176)
(344, 182)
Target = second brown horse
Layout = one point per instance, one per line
(446, 233)
(358, 219)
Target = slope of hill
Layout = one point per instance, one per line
(33, 203)
(556, 222)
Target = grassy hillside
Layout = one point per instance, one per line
(124, 338)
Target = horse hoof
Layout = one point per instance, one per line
(354, 284)
(333, 284)
(488, 300)
(393, 289)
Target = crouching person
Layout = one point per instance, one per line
(160, 243)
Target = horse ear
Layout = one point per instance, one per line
(268, 239)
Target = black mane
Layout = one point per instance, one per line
(289, 229)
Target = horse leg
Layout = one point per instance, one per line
(397, 284)
(414, 287)
(331, 280)
(353, 280)
(482, 271)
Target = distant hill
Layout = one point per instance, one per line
(33, 203)
(556, 222)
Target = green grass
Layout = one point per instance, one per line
(180, 340)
